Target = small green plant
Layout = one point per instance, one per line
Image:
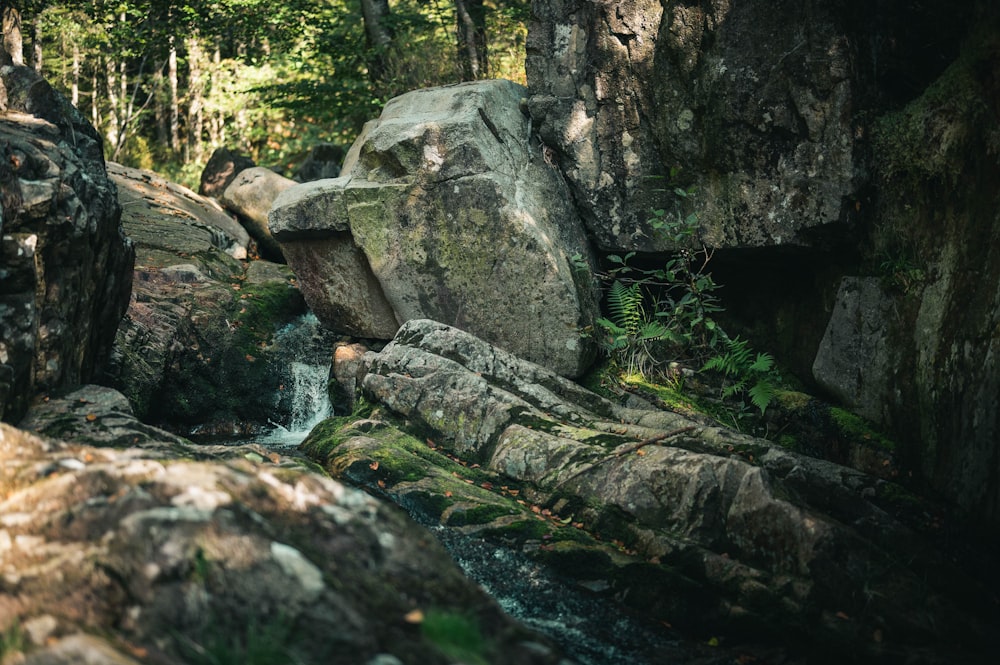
(456, 636)
(257, 644)
(746, 373)
(11, 640)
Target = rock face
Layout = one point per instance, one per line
(154, 206)
(196, 350)
(165, 552)
(66, 267)
(459, 218)
(222, 167)
(831, 154)
(758, 104)
(918, 347)
(719, 529)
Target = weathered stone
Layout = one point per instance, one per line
(250, 195)
(855, 358)
(460, 220)
(243, 554)
(760, 106)
(772, 537)
(195, 351)
(66, 264)
(159, 213)
(220, 170)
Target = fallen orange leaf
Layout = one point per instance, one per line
(91, 417)
(373, 466)
(414, 616)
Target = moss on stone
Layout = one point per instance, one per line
(855, 427)
(482, 514)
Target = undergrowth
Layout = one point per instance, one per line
(663, 316)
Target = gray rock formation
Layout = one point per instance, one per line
(766, 537)
(460, 219)
(154, 206)
(865, 134)
(66, 266)
(918, 346)
(250, 195)
(164, 552)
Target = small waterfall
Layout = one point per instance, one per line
(305, 350)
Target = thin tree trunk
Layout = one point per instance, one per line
(196, 94)
(378, 36)
(74, 90)
(470, 17)
(216, 121)
(160, 112)
(12, 51)
(173, 110)
(36, 44)
(111, 85)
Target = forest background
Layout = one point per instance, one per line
(167, 82)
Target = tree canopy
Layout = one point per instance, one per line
(167, 81)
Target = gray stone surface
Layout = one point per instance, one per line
(250, 195)
(65, 263)
(460, 219)
(164, 551)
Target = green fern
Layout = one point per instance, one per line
(747, 373)
(625, 306)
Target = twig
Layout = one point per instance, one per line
(626, 449)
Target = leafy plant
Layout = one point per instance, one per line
(746, 372)
(630, 334)
(458, 637)
(11, 640)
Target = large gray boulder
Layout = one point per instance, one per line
(460, 219)
(167, 552)
(174, 218)
(65, 264)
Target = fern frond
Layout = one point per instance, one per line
(625, 306)
(762, 394)
(764, 363)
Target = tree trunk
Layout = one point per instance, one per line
(470, 17)
(111, 85)
(173, 107)
(74, 89)
(36, 43)
(12, 52)
(196, 94)
(378, 37)
(216, 119)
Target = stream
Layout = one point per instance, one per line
(587, 628)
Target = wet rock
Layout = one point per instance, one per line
(167, 551)
(768, 538)
(195, 350)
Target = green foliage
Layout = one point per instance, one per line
(11, 640)
(456, 636)
(257, 643)
(665, 313)
(746, 373)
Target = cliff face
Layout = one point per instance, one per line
(844, 158)
(66, 267)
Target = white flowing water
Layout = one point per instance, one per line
(304, 400)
